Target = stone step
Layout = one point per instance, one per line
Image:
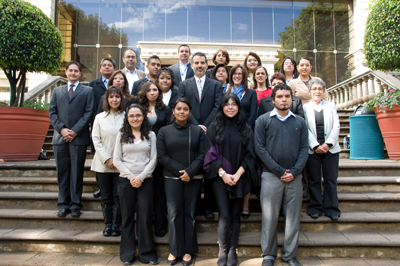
(333, 244)
(345, 184)
(347, 168)
(347, 201)
(348, 222)
(78, 259)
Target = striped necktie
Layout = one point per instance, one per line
(199, 88)
(71, 90)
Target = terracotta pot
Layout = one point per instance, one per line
(389, 124)
(22, 133)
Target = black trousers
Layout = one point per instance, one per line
(70, 162)
(160, 202)
(228, 209)
(181, 204)
(129, 196)
(330, 169)
(108, 185)
(209, 199)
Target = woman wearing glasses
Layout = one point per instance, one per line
(323, 125)
(289, 69)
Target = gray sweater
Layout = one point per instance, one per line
(281, 145)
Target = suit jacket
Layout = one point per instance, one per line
(75, 113)
(300, 90)
(266, 105)
(203, 112)
(163, 116)
(177, 73)
(137, 86)
(174, 96)
(99, 89)
(331, 126)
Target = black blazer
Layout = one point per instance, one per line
(99, 89)
(203, 112)
(177, 73)
(266, 105)
(137, 86)
(174, 96)
(249, 104)
(163, 116)
(74, 113)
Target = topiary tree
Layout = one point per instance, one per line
(29, 42)
(382, 35)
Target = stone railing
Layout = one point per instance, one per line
(43, 92)
(360, 89)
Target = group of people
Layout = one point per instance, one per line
(159, 138)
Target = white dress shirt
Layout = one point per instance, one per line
(167, 97)
(275, 113)
(132, 77)
(183, 70)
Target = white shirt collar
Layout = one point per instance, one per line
(76, 85)
(127, 71)
(202, 79)
(275, 113)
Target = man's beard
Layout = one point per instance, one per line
(282, 109)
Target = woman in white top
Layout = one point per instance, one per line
(135, 156)
(323, 133)
(105, 129)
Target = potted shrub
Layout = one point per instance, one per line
(387, 110)
(29, 42)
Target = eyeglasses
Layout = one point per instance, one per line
(289, 64)
(231, 105)
(317, 89)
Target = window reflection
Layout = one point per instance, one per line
(88, 23)
(132, 23)
(241, 25)
(198, 24)
(154, 23)
(110, 24)
(87, 56)
(220, 24)
(263, 26)
(177, 27)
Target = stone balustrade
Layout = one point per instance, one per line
(44, 91)
(361, 88)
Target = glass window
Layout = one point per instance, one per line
(111, 52)
(263, 25)
(303, 25)
(88, 23)
(283, 25)
(326, 68)
(110, 24)
(241, 25)
(132, 23)
(343, 72)
(199, 24)
(177, 24)
(87, 56)
(154, 23)
(220, 24)
(324, 31)
(342, 36)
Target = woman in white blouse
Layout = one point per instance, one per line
(135, 156)
(105, 129)
(323, 133)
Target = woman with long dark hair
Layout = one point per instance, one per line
(150, 97)
(180, 148)
(289, 69)
(166, 81)
(239, 86)
(104, 132)
(261, 83)
(135, 156)
(230, 164)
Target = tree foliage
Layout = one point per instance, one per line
(29, 41)
(382, 35)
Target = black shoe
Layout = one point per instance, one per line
(127, 262)
(305, 193)
(63, 212)
(97, 193)
(187, 263)
(152, 262)
(160, 235)
(293, 262)
(209, 214)
(116, 231)
(267, 263)
(334, 217)
(172, 262)
(314, 215)
(107, 230)
(76, 213)
(245, 215)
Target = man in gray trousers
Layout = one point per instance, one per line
(281, 143)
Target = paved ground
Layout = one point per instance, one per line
(66, 259)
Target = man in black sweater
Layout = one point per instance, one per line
(281, 143)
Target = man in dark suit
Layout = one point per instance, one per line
(183, 70)
(153, 65)
(204, 95)
(70, 111)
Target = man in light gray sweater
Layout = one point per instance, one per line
(281, 143)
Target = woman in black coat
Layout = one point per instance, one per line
(150, 97)
(180, 149)
(230, 165)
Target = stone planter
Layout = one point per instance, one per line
(22, 133)
(389, 124)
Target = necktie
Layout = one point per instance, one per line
(199, 88)
(105, 83)
(71, 90)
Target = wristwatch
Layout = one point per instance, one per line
(221, 173)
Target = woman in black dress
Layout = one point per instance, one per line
(230, 164)
(180, 148)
